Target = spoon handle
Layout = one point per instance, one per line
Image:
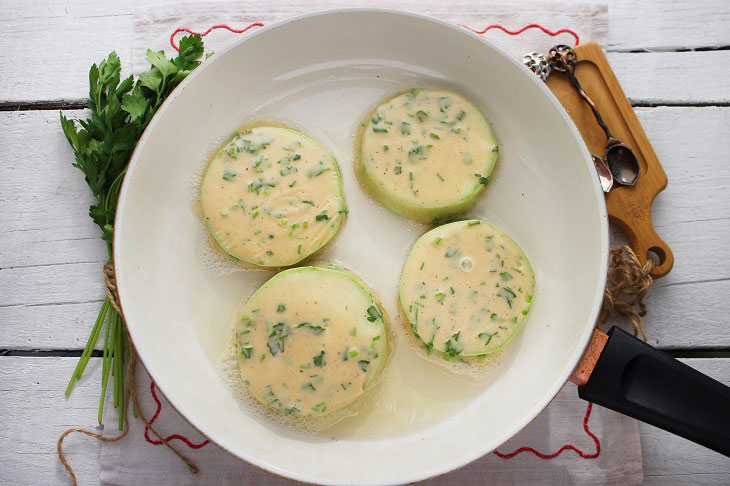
(585, 97)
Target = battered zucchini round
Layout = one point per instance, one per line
(311, 340)
(425, 154)
(272, 196)
(466, 288)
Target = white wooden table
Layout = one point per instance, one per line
(672, 58)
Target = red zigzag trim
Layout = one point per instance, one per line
(203, 34)
(170, 437)
(486, 29)
(529, 26)
(564, 448)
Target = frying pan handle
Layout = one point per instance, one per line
(640, 381)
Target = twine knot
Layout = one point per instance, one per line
(110, 282)
(628, 282)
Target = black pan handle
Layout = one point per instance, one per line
(640, 381)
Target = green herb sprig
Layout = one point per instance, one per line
(120, 112)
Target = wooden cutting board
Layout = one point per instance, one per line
(629, 208)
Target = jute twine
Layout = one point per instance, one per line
(111, 292)
(628, 282)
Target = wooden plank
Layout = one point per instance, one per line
(689, 315)
(672, 460)
(690, 145)
(51, 326)
(51, 286)
(672, 77)
(40, 190)
(35, 412)
(52, 44)
(667, 24)
(50, 251)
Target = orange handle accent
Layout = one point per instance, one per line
(584, 369)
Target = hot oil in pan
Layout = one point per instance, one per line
(415, 392)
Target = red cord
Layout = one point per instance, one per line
(564, 448)
(173, 436)
(219, 26)
(488, 28)
(529, 26)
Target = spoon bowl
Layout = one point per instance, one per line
(622, 162)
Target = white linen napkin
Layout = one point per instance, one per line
(154, 24)
(136, 461)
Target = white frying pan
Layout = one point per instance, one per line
(321, 73)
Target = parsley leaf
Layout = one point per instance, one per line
(319, 360)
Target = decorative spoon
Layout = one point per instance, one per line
(537, 63)
(620, 158)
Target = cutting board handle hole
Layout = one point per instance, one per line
(656, 254)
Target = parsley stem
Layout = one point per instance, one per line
(119, 360)
(90, 344)
(105, 367)
(86, 355)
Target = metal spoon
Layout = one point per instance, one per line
(620, 158)
(604, 173)
(537, 63)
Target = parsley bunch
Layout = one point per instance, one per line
(120, 112)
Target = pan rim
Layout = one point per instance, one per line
(573, 360)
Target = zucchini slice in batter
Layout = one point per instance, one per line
(425, 154)
(272, 196)
(311, 340)
(466, 288)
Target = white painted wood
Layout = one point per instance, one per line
(37, 173)
(48, 41)
(672, 77)
(52, 44)
(34, 413)
(666, 24)
(693, 315)
(50, 251)
(690, 144)
(51, 256)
